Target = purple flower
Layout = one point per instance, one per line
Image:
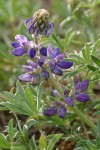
(43, 51)
(56, 70)
(56, 61)
(61, 112)
(69, 101)
(82, 97)
(32, 52)
(22, 45)
(50, 111)
(45, 74)
(66, 92)
(81, 86)
(19, 51)
(64, 64)
(25, 77)
(35, 79)
(56, 93)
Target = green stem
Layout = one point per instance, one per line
(83, 117)
(35, 39)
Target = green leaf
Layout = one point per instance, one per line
(21, 91)
(32, 144)
(53, 141)
(92, 67)
(96, 113)
(57, 41)
(95, 60)
(39, 95)
(42, 142)
(19, 109)
(95, 46)
(93, 105)
(69, 36)
(98, 135)
(3, 142)
(80, 148)
(86, 53)
(31, 99)
(71, 74)
(10, 130)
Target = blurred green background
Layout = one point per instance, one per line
(76, 22)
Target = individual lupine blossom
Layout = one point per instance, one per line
(80, 88)
(57, 109)
(40, 24)
(54, 60)
(22, 46)
(33, 73)
(67, 99)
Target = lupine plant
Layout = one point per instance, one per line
(52, 91)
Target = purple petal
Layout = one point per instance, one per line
(49, 50)
(62, 112)
(58, 104)
(40, 63)
(27, 68)
(15, 44)
(19, 51)
(82, 97)
(81, 86)
(84, 85)
(69, 101)
(44, 32)
(56, 93)
(45, 74)
(51, 29)
(76, 80)
(30, 29)
(27, 21)
(50, 111)
(66, 92)
(43, 51)
(32, 52)
(25, 77)
(60, 57)
(56, 52)
(35, 80)
(21, 38)
(31, 63)
(56, 70)
(64, 64)
(37, 31)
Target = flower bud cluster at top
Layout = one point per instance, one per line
(40, 24)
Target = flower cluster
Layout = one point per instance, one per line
(40, 24)
(42, 58)
(57, 109)
(79, 93)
